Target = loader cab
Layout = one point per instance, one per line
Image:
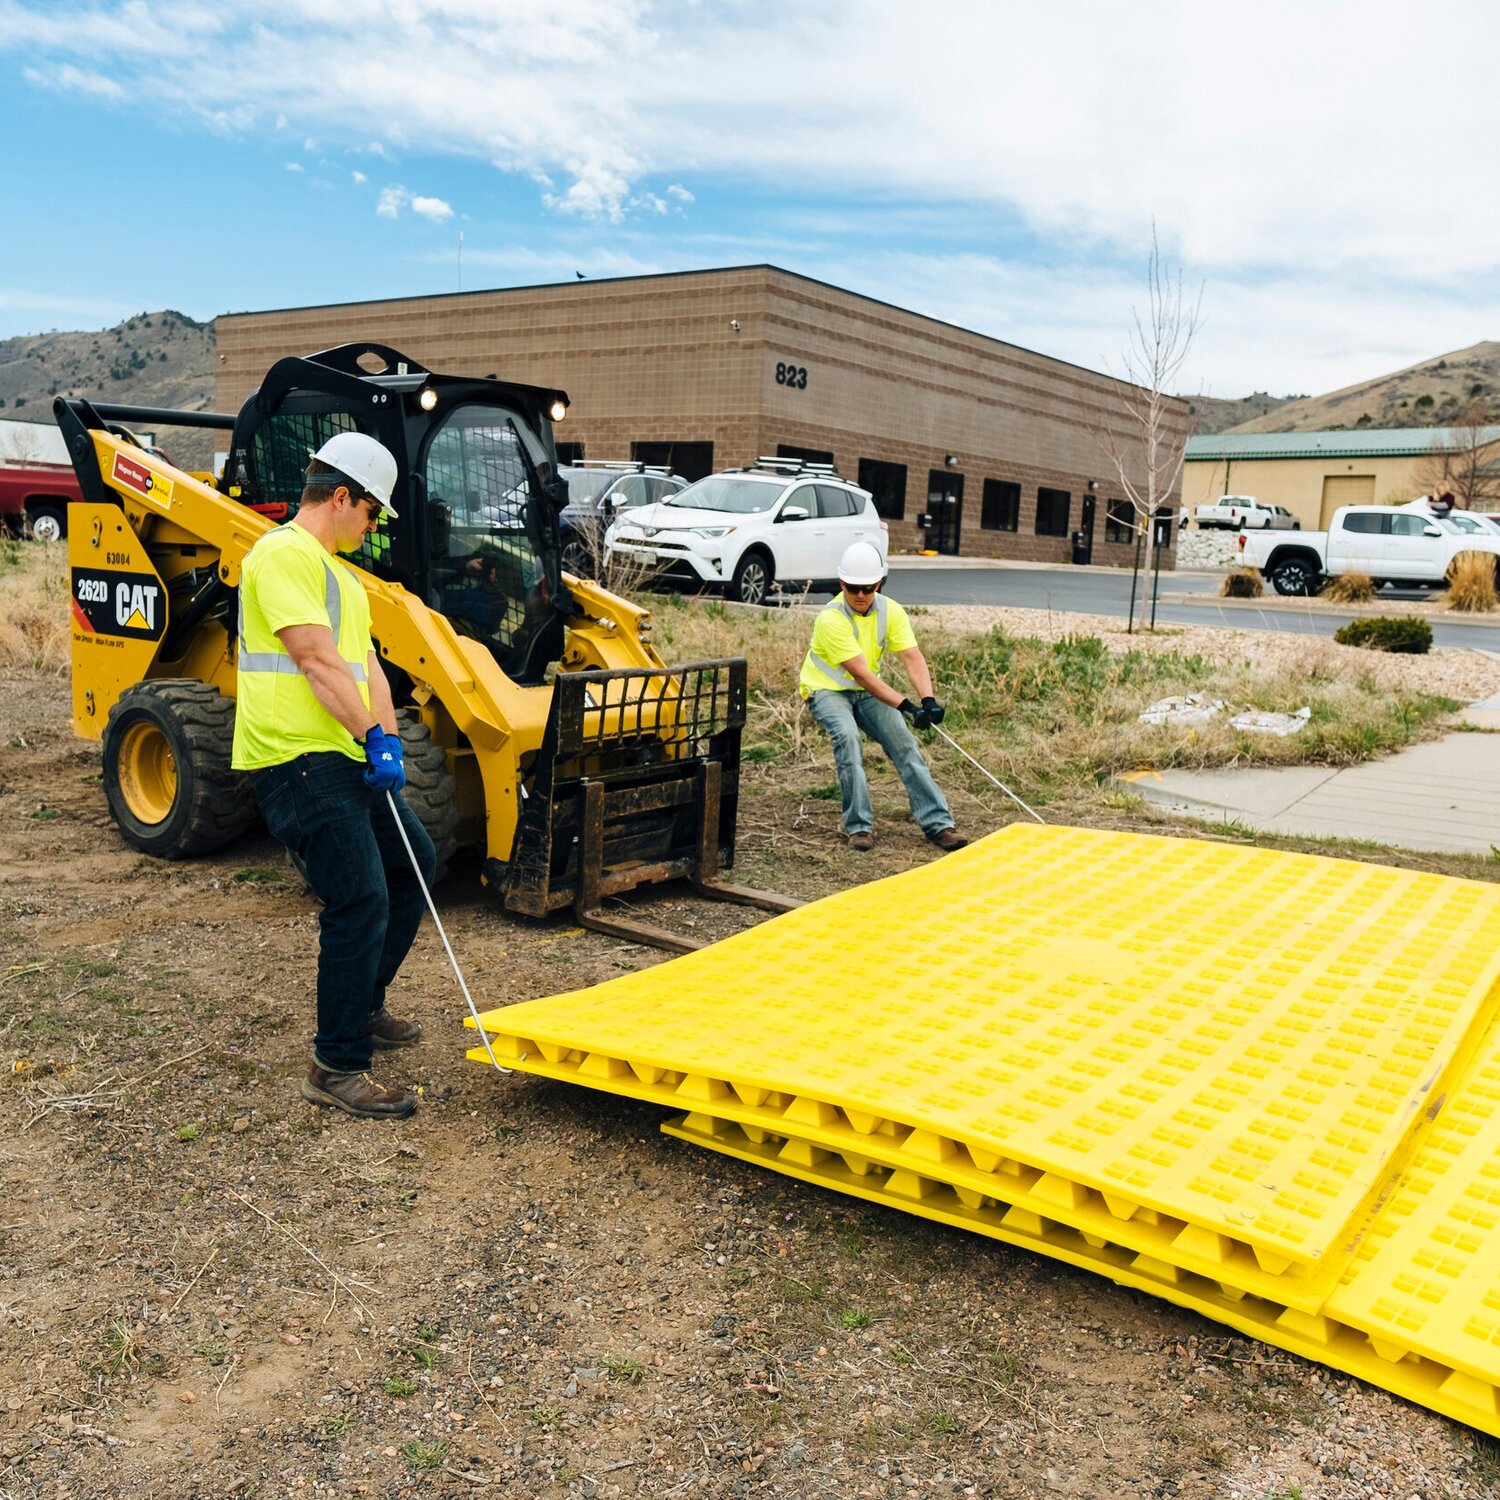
(477, 493)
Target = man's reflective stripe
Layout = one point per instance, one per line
(279, 661)
(839, 674)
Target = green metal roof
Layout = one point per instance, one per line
(1370, 442)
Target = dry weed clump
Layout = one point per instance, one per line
(1471, 583)
(34, 628)
(1349, 588)
(1242, 583)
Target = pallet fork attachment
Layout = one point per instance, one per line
(636, 781)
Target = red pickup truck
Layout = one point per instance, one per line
(35, 497)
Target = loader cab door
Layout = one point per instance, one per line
(488, 536)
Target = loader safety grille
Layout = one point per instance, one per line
(636, 781)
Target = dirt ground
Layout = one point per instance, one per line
(208, 1288)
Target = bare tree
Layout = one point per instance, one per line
(20, 443)
(1465, 461)
(1148, 448)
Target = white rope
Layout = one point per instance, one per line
(442, 933)
(1024, 808)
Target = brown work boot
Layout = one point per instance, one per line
(356, 1094)
(387, 1032)
(862, 841)
(947, 839)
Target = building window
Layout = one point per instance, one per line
(1001, 506)
(570, 453)
(1119, 521)
(887, 483)
(807, 455)
(691, 460)
(1052, 512)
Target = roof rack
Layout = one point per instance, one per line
(788, 466)
(622, 465)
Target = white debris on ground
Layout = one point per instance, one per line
(1257, 722)
(1193, 709)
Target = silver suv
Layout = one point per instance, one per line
(597, 493)
(782, 524)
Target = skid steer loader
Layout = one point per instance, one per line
(539, 722)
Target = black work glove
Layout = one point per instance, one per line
(931, 713)
(907, 707)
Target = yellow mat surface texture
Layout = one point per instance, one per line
(1261, 1085)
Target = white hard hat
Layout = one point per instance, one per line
(368, 463)
(861, 564)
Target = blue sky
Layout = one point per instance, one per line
(1317, 171)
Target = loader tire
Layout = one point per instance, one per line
(431, 791)
(167, 776)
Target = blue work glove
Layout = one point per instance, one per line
(930, 713)
(387, 769)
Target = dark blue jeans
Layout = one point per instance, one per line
(344, 835)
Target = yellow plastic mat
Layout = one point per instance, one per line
(1206, 1063)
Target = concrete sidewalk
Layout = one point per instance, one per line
(1442, 796)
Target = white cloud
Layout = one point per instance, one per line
(432, 208)
(392, 200)
(293, 166)
(67, 79)
(395, 200)
(359, 179)
(680, 193)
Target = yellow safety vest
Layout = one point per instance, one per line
(289, 579)
(818, 675)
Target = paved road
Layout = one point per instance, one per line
(1107, 592)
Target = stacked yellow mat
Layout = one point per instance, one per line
(1265, 1086)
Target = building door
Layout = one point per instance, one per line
(1344, 489)
(945, 503)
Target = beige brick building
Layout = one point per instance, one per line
(706, 370)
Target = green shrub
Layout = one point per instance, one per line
(1405, 635)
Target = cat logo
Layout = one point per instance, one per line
(118, 604)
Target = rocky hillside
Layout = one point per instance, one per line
(1220, 413)
(153, 359)
(1435, 393)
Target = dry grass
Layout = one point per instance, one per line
(1349, 588)
(1471, 583)
(1052, 718)
(34, 629)
(1242, 583)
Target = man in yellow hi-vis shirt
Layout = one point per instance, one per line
(316, 730)
(841, 682)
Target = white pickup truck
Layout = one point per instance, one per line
(1244, 513)
(1391, 546)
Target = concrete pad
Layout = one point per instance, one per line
(1442, 796)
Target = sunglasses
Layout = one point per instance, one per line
(859, 588)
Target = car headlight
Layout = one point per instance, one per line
(710, 531)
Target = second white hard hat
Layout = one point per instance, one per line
(861, 564)
(368, 463)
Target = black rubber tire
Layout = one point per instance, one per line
(752, 580)
(167, 776)
(431, 792)
(48, 523)
(1294, 576)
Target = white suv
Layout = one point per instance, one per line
(783, 523)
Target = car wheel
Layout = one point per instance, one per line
(576, 559)
(1294, 575)
(49, 523)
(753, 576)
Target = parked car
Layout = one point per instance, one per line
(1391, 546)
(1243, 513)
(35, 498)
(746, 531)
(597, 493)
